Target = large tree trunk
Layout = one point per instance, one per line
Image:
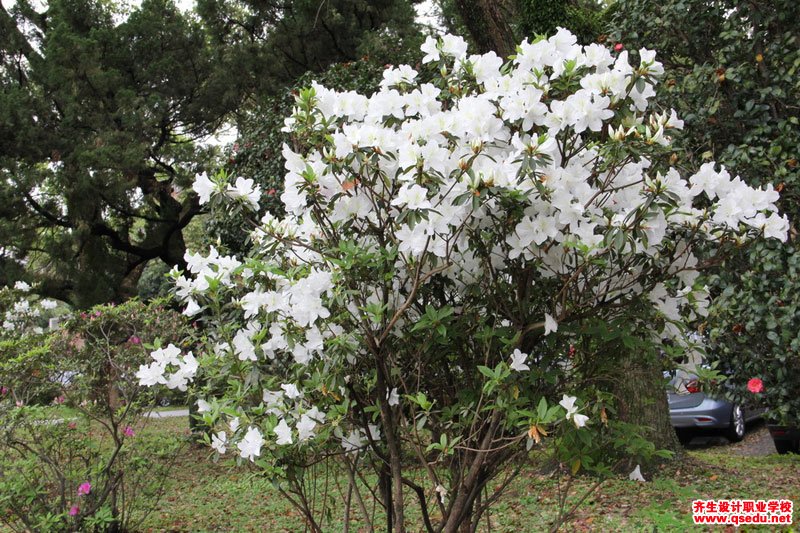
(642, 399)
(488, 24)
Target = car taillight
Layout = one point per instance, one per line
(693, 386)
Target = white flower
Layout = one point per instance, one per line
(580, 420)
(291, 391)
(204, 187)
(191, 308)
(453, 45)
(151, 374)
(48, 304)
(441, 493)
(203, 406)
(22, 286)
(355, 440)
(393, 397)
(305, 427)
(283, 432)
(250, 445)
(568, 403)
(219, 442)
(636, 475)
(518, 361)
(550, 324)
(246, 190)
(649, 63)
(413, 197)
(243, 346)
(431, 49)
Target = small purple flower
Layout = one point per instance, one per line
(84, 488)
(74, 510)
(135, 340)
(3, 390)
(128, 431)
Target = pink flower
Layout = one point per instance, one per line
(72, 425)
(618, 47)
(20, 403)
(74, 510)
(84, 488)
(59, 400)
(97, 313)
(135, 340)
(755, 385)
(128, 431)
(3, 390)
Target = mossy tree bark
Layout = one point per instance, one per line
(642, 399)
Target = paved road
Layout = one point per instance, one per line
(168, 414)
(756, 442)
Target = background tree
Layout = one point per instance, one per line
(498, 26)
(103, 115)
(100, 123)
(274, 42)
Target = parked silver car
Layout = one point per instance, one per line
(691, 409)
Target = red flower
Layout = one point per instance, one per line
(755, 385)
(618, 47)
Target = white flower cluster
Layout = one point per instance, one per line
(211, 268)
(25, 312)
(490, 157)
(568, 403)
(288, 406)
(168, 368)
(243, 190)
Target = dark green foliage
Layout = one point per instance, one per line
(732, 74)
(584, 18)
(522, 19)
(273, 42)
(754, 328)
(102, 114)
(98, 122)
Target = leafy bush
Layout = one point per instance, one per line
(86, 462)
(430, 293)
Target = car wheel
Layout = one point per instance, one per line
(736, 429)
(685, 435)
(783, 446)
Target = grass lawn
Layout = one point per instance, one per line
(207, 496)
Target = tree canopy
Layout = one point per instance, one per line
(103, 114)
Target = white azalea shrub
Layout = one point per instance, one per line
(443, 244)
